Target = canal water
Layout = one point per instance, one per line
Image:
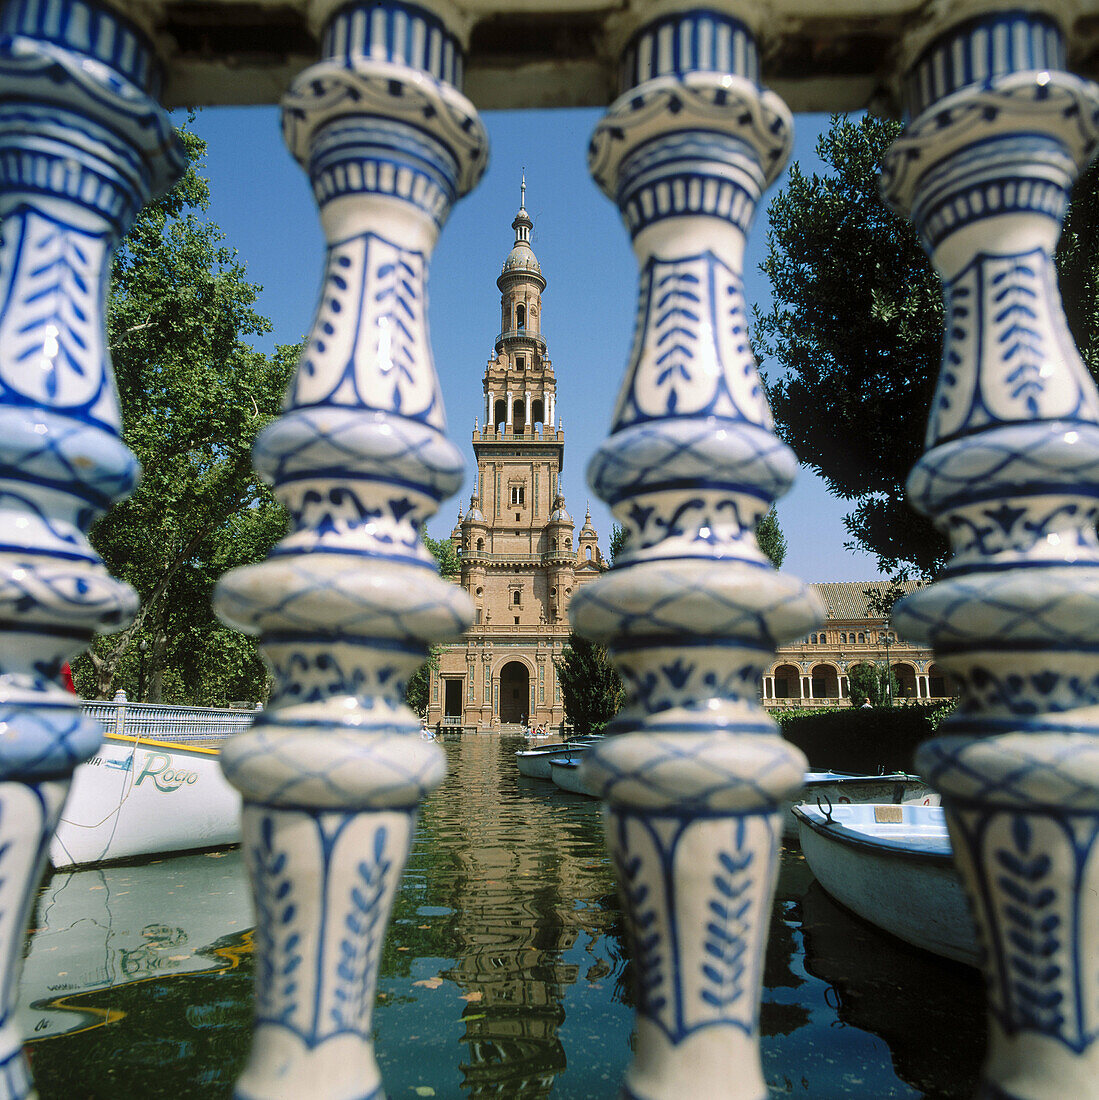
(504, 973)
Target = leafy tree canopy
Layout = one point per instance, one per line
(445, 555)
(591, 689)
(771, 539)
(852, 342)
(194, 394)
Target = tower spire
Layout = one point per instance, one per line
(523, 191)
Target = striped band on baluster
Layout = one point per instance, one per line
(88, 29)
(403, 34)
(696, 41)
(978, 51)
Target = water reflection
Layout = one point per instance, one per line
(504, 972)
(527, 923)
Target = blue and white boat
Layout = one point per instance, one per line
(565, 771)
(892, 865)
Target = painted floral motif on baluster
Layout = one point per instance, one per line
(278, 940)
(691, 352)
(49, 322)
(361, 950)
(1004, 318)
(663, 851)
(359, 865)
(375, 363)
(1032, 870)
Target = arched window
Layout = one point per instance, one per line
(500, 413)
(812, 639)
(843, 639)
(862, 638)
(588, 548)
(480, 545)
(515, 598)
(520, 317)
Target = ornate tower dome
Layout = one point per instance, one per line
(521, 284)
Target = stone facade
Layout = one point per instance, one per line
(521, 556)
(813, 670)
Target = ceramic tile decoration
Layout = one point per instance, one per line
(695, 771)
(83, 144)
(997, 134)
(347, 603)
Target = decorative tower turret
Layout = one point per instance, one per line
(520, 564)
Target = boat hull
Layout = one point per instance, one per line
(138, 797)
(903, 882)
(566, 774)
(535, 763)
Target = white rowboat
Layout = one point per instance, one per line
(141, 797)
(839, 788)
(893, 866)
(535, 763)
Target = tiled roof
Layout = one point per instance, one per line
(847, 599)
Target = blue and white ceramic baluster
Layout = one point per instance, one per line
(346, 605)
(692, 610)
(83, 145)
(997, 133)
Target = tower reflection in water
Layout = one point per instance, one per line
(523, 924)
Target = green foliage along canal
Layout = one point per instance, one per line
(504, 972)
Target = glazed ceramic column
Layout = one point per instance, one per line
(347, 603)
(692, 611)
(83, 145)
(997, 133)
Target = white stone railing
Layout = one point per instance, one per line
(168, 722)
(333, 772)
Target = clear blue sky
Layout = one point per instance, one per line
(261, 199)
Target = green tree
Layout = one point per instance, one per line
(873, 683)
(591, 689)
(445, 555)
(193, 394)
(416, 690)
(852, 342)
(771, 539)
(617, 541)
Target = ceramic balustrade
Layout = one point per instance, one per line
(83, 145)
(695, 770)
(997, 133)
(333, 771)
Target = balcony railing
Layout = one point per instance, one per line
(521, 334)
(165, 722)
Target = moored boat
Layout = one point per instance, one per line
(566, 773)
(535, 763)
(892, 865)
(138, 797)
(840, 788)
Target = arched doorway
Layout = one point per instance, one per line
(826, 683)
(787, 682)
(905, 676)
(514, 692)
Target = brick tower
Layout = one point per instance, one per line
(521, 557)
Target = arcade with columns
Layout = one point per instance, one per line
(380, 108)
